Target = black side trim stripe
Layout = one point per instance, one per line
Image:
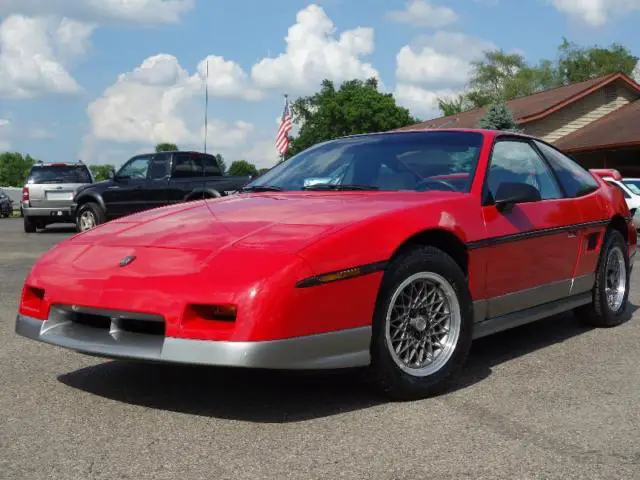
(344, 274)
(489, 242)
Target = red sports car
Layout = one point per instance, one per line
(391, 251)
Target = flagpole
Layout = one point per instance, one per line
(206, 106)
(283, 154)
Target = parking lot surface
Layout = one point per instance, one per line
(548, 400)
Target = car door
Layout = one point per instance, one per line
(126, 194)
(531, 251)
(186, 176)
(158, 176)
(580, 185)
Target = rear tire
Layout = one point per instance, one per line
(422, 326)
(611, 289)
(29, 225)
(89, 216)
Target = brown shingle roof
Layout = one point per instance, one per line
(618, 128)
(532, 107)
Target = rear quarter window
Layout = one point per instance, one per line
(575, 180)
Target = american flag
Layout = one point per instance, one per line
(286, 124)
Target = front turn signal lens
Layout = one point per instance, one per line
(224, 313)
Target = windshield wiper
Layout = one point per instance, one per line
(345, 186)
(261, 188)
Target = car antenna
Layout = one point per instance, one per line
(206, 105)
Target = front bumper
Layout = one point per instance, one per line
(340, 349)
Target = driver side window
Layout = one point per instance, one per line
(136, 169)
(517, 161)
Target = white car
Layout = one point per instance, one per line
(630, 188)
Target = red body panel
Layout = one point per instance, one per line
(250, 250)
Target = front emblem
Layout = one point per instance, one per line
(127, 260)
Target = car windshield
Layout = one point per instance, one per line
(415, 161)
(59, 174)
(633, 185)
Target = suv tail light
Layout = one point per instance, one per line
(25, 194)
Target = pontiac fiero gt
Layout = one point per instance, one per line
(389, 251)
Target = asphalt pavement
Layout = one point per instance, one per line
(547, 400)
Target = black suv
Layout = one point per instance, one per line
(153, 180)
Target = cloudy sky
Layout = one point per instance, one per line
(102, 80)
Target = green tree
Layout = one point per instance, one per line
(355, 107)
(166, 147)
(453, 106)
(221, 162)
(262, 171)
(498, 117)
(101, 172)
(242, 168)
(500, 77)
(14, 169)
(577, 64)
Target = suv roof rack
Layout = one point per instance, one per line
(40, 163)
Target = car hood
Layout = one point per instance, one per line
(283, 221)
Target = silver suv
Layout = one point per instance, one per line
(48, 195)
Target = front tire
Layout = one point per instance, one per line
(89, 216)
(611, 289)
(423, 325)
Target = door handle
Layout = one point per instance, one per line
(573, 233)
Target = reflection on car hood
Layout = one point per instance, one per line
(287, 221)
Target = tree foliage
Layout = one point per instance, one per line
(221, 162)
(166, 147)
(242, 168)
(500, 76)
(355, 107)
(101, 172)
(14, 169)
(498, 117)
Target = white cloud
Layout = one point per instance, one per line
(420, 101)
(34, 53)
(442, 59)
(435, 66)
(102, 11)
(159, 101)
(596, 13)
(424, 13)
(40, 39)
(313, 53)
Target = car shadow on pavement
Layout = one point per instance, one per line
(58, 229)
(280, 397)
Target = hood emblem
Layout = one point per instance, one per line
(127, 260)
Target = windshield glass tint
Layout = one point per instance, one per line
(418, 161)
(59, 174)
(633, 185)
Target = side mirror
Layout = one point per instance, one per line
(112, 174)
(510, 194)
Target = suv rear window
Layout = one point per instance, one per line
(60, 174)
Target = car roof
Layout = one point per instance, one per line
(485, 132)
